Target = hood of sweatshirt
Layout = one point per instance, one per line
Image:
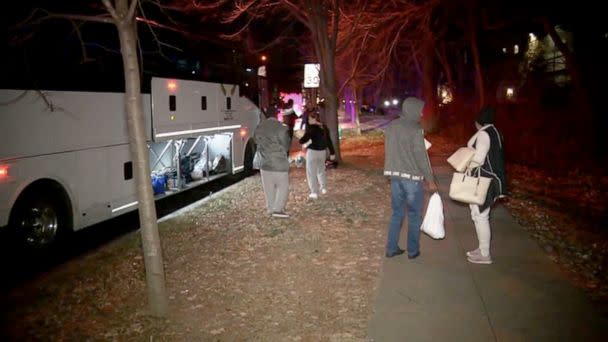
(411, 109)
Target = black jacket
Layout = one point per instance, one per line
(319, 136)
(494, 167)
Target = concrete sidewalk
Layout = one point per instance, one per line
(440, 296)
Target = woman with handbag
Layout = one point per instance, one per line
(488, 161)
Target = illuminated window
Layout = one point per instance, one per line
(516, 49)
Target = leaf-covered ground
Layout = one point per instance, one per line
(567, 217)
(235, 274)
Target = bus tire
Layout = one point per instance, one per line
(40, 219)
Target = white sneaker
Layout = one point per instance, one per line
(474, 252)
(313, 196)
(480, 259)
(280, 214)
(324, 191)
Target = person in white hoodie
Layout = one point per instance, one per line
(489, 162)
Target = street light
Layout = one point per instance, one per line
(263, 58)
(395, 102)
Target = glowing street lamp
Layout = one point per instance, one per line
(263, 58)
(395, 102)
(387, 103)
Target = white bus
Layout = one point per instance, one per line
(65, 161)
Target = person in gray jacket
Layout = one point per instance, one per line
(272, 140)
(407, 164)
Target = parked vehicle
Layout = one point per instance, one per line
(65, 163)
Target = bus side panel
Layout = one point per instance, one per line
(229, 106)
(94, 180)
(195, 107)
(102, 184)
(92, 185)
(70, 121)
(60, 168)
(121, 179)
(78, 139)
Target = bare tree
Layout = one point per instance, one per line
(319, 17)
(381, 40)
(122, 14)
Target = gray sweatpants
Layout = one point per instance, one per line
(276, 190)
(315, 170)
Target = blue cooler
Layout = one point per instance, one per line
(158, 184)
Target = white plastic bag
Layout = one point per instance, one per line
(432, 224)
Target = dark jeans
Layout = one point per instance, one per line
(410, 194)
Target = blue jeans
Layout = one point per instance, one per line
(405, 192)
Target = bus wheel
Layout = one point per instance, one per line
(38, 221)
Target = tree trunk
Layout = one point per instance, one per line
(325, 49)
(155, 275)
(356, 106)
(331, 104)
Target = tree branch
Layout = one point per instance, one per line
(300, 14)
(111, 10)
(355, 66)
(336, 21)
(132, 7)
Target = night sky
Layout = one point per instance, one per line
(49, 55)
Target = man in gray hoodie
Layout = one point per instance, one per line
(407, 163)
(272, 140)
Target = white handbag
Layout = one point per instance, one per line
(469, 189)
(432, 224)
(461, 158)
